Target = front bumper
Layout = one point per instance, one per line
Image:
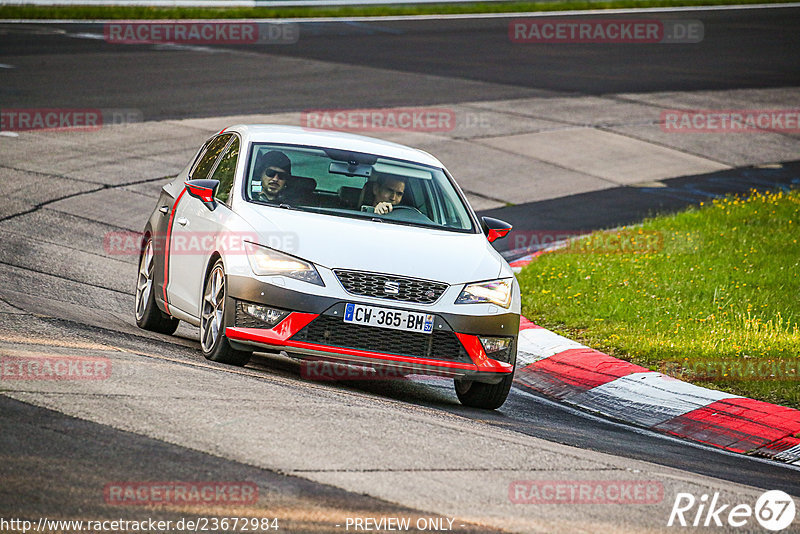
(315, 329)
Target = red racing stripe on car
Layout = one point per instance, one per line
(473, 347)
(166, 247)
(291, 324)
(574, 371)
(735, 424)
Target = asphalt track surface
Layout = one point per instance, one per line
(389, 63)
(380, 64)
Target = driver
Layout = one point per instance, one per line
(273, 169)
(388, 192)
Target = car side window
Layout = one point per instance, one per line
(206, 161)
(225, 171)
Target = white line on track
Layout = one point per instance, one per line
(467, 16)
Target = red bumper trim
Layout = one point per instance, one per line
(482, 362)
(280, 334)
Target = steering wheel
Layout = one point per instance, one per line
(401, 207)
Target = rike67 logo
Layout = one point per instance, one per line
(774, 510)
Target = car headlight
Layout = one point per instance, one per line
(268, 262)
(495, 291)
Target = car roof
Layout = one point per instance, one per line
(296, 135)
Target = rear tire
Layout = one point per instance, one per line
(213, 342)
(148, 316)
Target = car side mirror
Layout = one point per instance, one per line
(203, 190)
(494, 228)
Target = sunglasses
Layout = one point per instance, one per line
(269, 173)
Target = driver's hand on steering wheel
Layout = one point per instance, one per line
(382, 208)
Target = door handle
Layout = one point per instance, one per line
(164, 209)
(183, 221)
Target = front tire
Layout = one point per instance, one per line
(482, 395)
(148, 316)
(213, 342)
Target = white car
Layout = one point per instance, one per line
(331, 246)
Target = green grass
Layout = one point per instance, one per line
(10, 12)
(710, 295)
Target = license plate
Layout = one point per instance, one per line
(385, 318)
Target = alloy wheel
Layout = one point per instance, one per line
(144, 283)
(213, 308)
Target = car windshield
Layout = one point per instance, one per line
(354, 184)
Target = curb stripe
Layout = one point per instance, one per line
(738, 424)
(791, 454)
(537, 343)
(525, 324)
(573, 372)
(648, 398)
(567, 371)
(588, 366)
(785, 447)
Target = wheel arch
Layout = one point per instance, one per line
(146, 234)
(212, 260)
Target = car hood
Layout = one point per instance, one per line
(365, 245)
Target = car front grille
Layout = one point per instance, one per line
(399, 287)
(333, 331)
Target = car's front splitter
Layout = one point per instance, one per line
(279, 338)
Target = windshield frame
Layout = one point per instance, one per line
(475, 227)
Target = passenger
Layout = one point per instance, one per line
(274, 169)
(387, 193)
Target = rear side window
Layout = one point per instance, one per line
(225, 171)
(207, 159)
